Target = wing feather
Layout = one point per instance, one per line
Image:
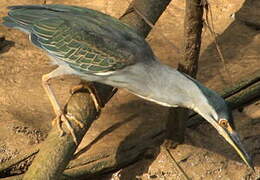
(64, 42)
(89, 41)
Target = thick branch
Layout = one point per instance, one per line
(193, 24)
(56, 151)
(150, 9)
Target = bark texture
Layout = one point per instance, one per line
(193, 24)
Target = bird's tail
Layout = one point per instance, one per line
(23, 17)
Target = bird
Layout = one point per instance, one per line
(99, 48)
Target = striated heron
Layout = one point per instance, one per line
(100, 48)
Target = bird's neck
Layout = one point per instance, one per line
(165, 85)
(162, 84)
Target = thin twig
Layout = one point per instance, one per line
(211, 28)
(176, 165)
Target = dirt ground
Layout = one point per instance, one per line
(25, 112)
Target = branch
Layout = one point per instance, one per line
(56, 152)
(193, 24)
(151, 11)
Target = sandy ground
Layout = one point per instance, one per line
(26, 113)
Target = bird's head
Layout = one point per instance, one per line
(215, 110)
(223, 123)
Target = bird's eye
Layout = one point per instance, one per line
(223, 123)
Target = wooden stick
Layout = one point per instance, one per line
(175, 164)
(193, 24)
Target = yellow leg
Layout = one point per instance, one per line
(61, 117)
(52, 98)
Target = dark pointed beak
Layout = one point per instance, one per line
(233, 139)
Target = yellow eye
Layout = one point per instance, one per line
(223, 123)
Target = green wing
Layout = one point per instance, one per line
(87, 40)
(80, 49)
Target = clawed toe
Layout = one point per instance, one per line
(78, 122)
(65, 118)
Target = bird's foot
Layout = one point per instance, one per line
(93, 93)
(73, 118)
(65, 118)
